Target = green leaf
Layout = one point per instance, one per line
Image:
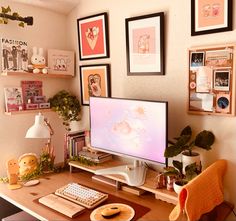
(186, 131)
(205, 139)
(172, 151)
(178, 165)
(15, 14)
(22, 24)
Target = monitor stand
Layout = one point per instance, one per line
(135, 174)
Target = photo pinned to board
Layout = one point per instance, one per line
(223, 103)
(201, 102)
(222, 80)
(204, 79)
(219, 58)
(197, 59)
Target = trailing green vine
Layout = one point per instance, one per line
(6, 14)
(83, 160)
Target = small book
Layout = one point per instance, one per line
(62, 205)
(13, 99)
(30, 89)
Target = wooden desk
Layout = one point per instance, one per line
(24, 197)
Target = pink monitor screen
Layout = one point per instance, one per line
(126, 127)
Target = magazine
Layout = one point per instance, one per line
(14, 55)
(13, 99)
(30, 89)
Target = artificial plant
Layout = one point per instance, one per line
(185, 142)
(67, 107)
(6, 14)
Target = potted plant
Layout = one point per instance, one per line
(67, 106)
(184, 144)
(181, 179)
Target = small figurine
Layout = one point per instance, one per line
(28, 163)
(12, 174)
(38, 62)
(12, 171)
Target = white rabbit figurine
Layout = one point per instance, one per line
(38, 61)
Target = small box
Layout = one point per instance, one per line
(32, 106)
(44, 105)
(39, 99)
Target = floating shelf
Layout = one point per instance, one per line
(23, 73)
(28, 111)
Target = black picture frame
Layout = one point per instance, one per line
(209, 13)
(93, 37)
(145, 44)
(95, 80)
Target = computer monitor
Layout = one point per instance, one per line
(129, 128)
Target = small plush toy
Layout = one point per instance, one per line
(38, 61)
(12, 171)
(28, 163)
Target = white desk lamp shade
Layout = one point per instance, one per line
(39, 129)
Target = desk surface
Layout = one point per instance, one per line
(24, 197)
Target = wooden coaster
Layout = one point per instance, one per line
(14, 186)
(31, 183)
(126, 213)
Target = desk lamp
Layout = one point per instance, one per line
(42, 129)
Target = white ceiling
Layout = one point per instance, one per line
(61, 6)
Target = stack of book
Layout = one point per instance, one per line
(73, 144)
(95, 156)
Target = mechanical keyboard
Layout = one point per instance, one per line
(82, 195)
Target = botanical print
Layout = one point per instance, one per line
(210, 13)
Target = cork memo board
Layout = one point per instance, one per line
(211, 80)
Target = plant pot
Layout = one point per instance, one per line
(187, 160)
(74, 126)
(178, 185)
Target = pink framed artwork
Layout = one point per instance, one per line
(94, 81)
(93, 37)
(210, 16)
(145, 44)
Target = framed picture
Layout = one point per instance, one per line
(221, 80)
(93, 37)
(210, 16)
(61, 62)
(145, 44)
(94, 81)
(196, 59)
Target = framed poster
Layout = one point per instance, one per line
(145, 44)
(93, 37)
(94, 81)
(14, 55)
(61, 62)
(210, 16)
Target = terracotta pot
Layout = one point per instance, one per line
(187, 160)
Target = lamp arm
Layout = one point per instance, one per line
(49, 126)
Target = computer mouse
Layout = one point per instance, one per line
(110, 212)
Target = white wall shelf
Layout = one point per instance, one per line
(28, 111)
(27, 74)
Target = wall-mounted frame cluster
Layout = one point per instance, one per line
(212, 80)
